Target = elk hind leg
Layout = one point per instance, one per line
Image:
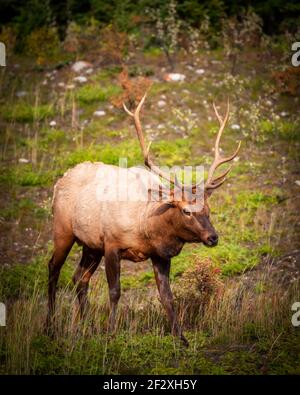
(62, 247)
(86, 268)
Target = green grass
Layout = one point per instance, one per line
(27, 175)
(25, 112)
(94, 93)
(23, 207)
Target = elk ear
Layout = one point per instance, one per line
(165, 206)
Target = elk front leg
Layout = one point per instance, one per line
(112, 269)
(162, 272)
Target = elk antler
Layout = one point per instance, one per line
(148, 162)
(212, 183)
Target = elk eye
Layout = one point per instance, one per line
(187, 212)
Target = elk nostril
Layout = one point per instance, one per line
(213, 239)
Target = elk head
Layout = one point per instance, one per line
(188, 214)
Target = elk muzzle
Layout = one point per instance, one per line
(211, 240)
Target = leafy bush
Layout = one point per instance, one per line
(43, 44)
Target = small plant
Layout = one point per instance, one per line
(240, 32)
(43, 44)
(288, 81)
(167, 28)
(114, 44)
(133, 89)
(196, 286)
(81, 38)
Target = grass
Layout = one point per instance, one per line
(25, 112)
(24, 206)
(141, 345)
(94, 93)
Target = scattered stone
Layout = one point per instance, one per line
(161, 103)
(297, 182)
(89, 71)
(45, 82)
(284, 114)
(52, 123)
(175, 77)
(61, 84)
(200, 71)
(80, 65)
(70, 86)
(24, 160)
(21, 93)
(81, 79)
(236, 159)
(99, 113)
(235, 127)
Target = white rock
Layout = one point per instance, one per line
(24, 160)
(161, 103)
(45, 82)
(80, 65)
(89, 71)
(21, 93)
(235, 127)
(61, 84)
(236, 159)
(269, 103)
(70, 86)
(99, 113)
(200, 71)
(174, 77)
(284, 113)
(81, 79)
(297, 182)
(52, 123)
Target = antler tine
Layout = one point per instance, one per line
(222, 127)
(148, 162)
(218, 160)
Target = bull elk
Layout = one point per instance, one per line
(133, 230)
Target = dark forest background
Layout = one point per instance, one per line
(28, 15)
